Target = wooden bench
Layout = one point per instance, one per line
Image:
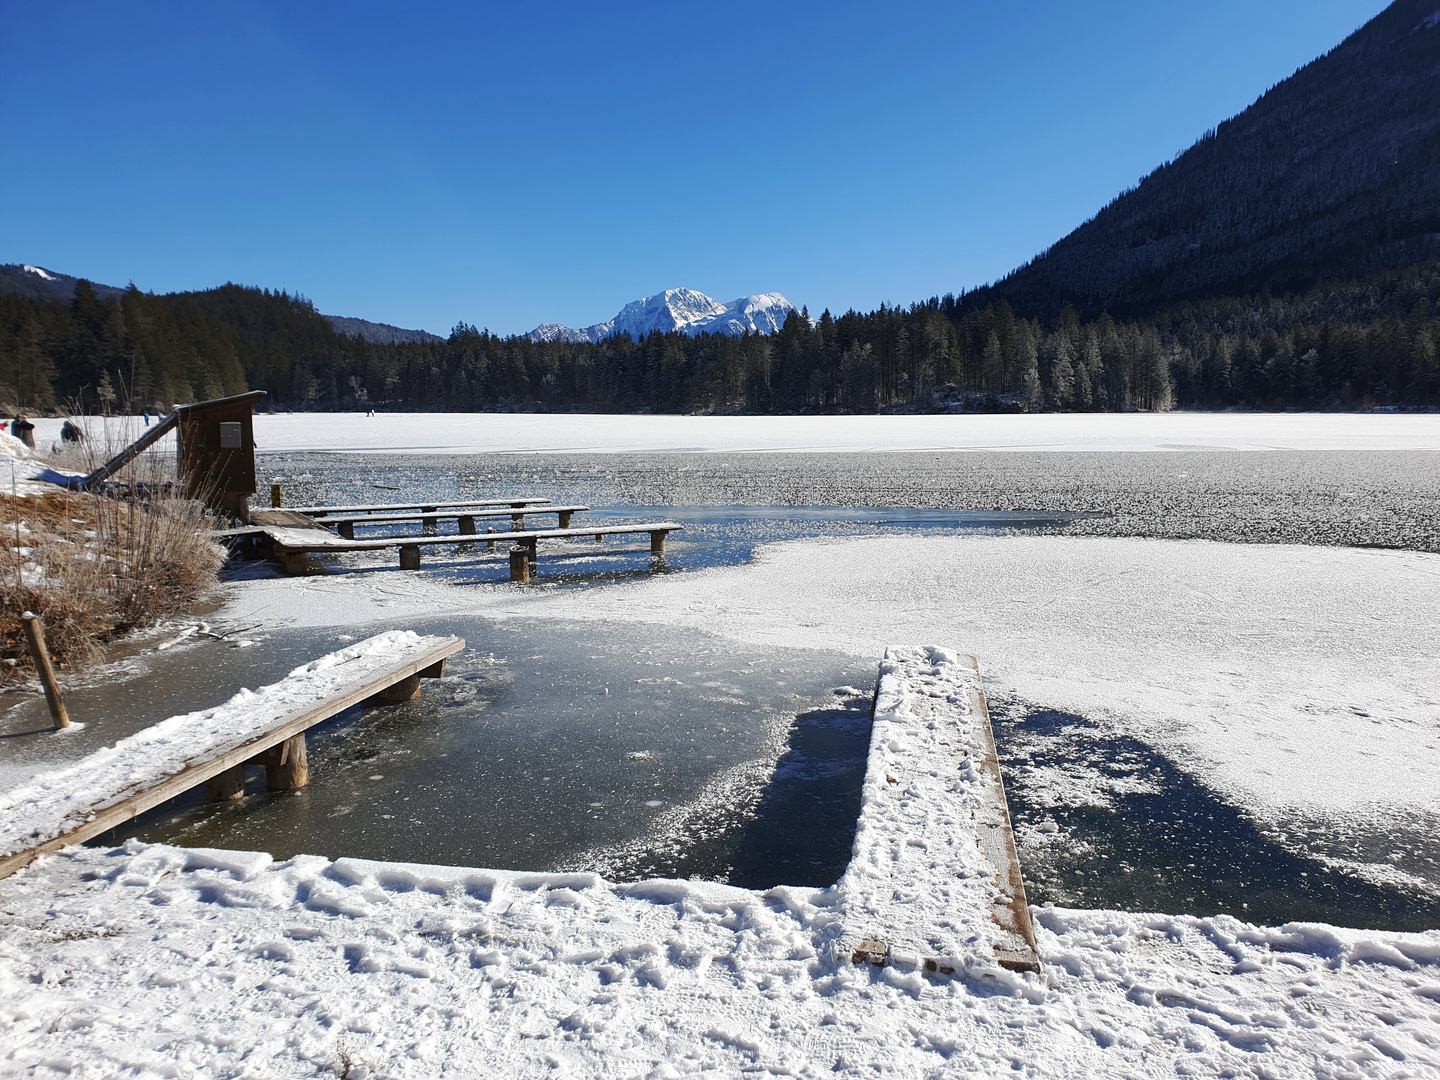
(293, 545)
(345, 523)
(423, 507)
(73, 804)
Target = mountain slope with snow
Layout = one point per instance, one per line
(690, 312)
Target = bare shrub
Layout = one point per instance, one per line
(94, 565)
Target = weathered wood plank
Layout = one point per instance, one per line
(109, 816)
(934, 881)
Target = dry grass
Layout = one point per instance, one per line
(96, 565)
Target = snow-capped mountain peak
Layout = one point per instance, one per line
(685, 310)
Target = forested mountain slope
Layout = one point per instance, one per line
(1333, 173)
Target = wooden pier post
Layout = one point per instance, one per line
(227, 786)
(346, 529)
(275, 495)
(490, 544)
(657, 545)
(410, 557)
(431, 526)
(565, 518)
(35, 635)
(520, 565)
(517, 522)
(467, 526)
(287, 765)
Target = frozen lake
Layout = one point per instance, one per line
(1142, 694)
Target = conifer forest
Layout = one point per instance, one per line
(1340, 345)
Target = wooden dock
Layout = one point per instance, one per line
(114, 785)
(934, 881)
(423, 507)
(464, 518)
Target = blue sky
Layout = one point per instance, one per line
(511, 164)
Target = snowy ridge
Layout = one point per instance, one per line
(685, 310)
(55, 803)
(921, 889)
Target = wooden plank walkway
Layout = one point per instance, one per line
(114, 785)
(380, 508)
(293, 545)
(345, 523)
(934, 881)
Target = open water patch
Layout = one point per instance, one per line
(639, 751)
(1104, 821)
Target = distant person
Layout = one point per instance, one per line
(147, 417)
(70, 433)
(23, 430)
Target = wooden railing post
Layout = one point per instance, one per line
(35, 635)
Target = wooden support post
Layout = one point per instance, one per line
(275, 495)
(532, 550)
(467, 526)
(287, 766)
(346, 529)
(407, 689)
(297, 563)
(431, 527)
(517, 522)
(599, 538)
(657, 544)
(409, 556)
(520, 565)
(35, 635)
(565, 518)
(227, 786)
(490, 544)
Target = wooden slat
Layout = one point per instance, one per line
(374, 507)
(132, 806)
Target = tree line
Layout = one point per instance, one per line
(1335, 346)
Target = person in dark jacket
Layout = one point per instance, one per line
(23, 430)
(70, 433)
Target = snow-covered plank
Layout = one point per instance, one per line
(934, 880)
(113, 785)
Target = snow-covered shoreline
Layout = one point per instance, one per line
(158, 961)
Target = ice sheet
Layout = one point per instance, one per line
(473, 433)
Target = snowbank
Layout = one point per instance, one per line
(160, 961)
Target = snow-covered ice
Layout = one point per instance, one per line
(477, 433)
(1291, 679)
(591, 433)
